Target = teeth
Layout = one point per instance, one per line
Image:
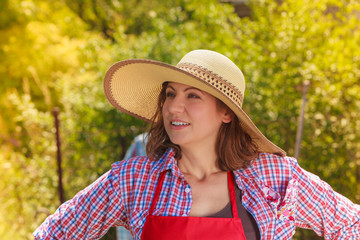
(179, 123)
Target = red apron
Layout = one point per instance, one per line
(186, 228)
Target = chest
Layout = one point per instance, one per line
(208, 197)
(179, 197)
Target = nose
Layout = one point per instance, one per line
(175, 105)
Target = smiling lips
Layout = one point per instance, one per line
(176, 125)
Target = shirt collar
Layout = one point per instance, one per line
(168, 162)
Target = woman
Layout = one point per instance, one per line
(209, 173)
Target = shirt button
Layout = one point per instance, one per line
(187, 190)
(140, 222)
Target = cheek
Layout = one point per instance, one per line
(213, 118)
(205, 115)
(164, 109)
(165, 114)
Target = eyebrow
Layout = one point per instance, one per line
(186, 89)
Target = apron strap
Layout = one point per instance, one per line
(231, 190)
(232, 195)
(157, 192)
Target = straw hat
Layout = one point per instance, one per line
(133, 86)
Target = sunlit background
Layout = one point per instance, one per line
(300, 54)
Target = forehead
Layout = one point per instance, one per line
(180, 86)
(183, 87)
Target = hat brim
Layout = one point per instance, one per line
(133, 86)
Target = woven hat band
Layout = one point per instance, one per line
(215, 80)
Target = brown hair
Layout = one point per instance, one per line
(235, 148)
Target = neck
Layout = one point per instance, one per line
(199, 163)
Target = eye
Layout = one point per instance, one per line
(170, 94)
(191, 95)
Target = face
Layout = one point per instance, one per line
(192, 117)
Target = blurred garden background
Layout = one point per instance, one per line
(55, 54)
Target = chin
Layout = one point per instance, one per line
(177, 141)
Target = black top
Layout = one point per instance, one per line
(250, 226)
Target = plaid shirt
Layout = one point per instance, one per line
(276, 191)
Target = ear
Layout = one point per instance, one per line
(228, 116)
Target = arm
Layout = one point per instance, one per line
(322, 209)
(89, 214)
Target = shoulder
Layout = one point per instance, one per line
(271, 170)
(270, 164)
(138, 166)
(137, 169)
(132, 164)
(281, 169)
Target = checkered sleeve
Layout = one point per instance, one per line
(89, 214)
(320, 208)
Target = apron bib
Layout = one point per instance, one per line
(193, 228)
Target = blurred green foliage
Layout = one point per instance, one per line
(55, 53)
